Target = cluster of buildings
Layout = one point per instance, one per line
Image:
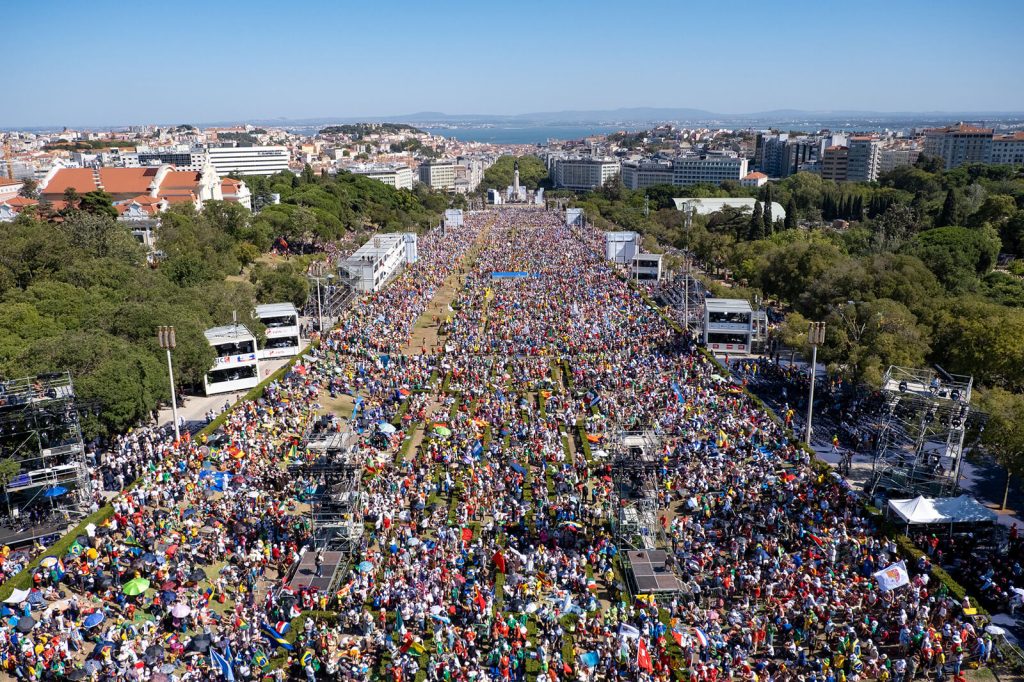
(961, 144)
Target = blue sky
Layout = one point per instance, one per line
(111, 62)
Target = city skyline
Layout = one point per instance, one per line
(216, 65)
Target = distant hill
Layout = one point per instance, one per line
(361, 129)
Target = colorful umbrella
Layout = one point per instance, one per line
(135, 587)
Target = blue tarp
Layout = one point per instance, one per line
(511, 275)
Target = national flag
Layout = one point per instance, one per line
(678, 636)
(818, 541)
(399, 621)
(643, 658)
(277, 638)
(499, 561)
(702, 638)
(307, 657)
(222, 665)
(259, 659)
(480, 601)
(467, 534)
(628, 631)
(891, 577)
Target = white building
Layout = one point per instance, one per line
(237, 366)
(396, 175)
(260, 160)
(728, 325)
(282, 322)
(889, 159)
(709, 206)
(583, 175)
(862, 158)
(378, 260)
(10, 188)
(754, 179)
(714, 170)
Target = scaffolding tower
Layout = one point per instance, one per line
(920, 440)
(684, 294)
(635, 460)
(41, 433)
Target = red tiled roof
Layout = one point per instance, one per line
(81, 179)
(754, 176)
(127, 180)
(7, 181)
(180, 180)
(17, 202)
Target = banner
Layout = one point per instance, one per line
(891, 577)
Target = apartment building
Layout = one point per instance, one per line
(438, 174)
(862, 158)
(834, 163)
(397, 175)
(583, 174)
(959, 144)
(256, 160)
(1007, 149)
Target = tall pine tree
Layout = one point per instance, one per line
(756, 223)
(950, 210)
(790, 222)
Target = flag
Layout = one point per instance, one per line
(480, 601)
(259, 659)
(628, 631)
(499, 561)
(399, 621)
(467, 534)
(222, 665)
(893, 576)
(702, 638)
(643, 658)
(277, 638)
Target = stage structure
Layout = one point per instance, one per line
(635, 459)
(685, 294)
(337, 501)
(40, 431)
(921, 436)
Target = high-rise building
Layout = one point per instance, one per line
(959, 144)
(834, 163)
(712, 169)
(438, 174)
(257, 160)
(645, 173)
(889, 159)
(583, 174)
(862, 158)
(782, 155)
(1007, 149)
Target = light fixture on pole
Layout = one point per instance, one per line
(815, 337)
(165, 335)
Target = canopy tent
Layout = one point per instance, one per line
(922, 510)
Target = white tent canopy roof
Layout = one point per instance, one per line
(963, 509)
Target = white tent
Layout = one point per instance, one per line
(922, 510)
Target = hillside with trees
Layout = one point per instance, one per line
(911, 279)
(77, 293)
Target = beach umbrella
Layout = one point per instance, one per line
(169, 596)
(48, 562)
(180, 610)
(442, 431)
(25, 624)
(135, 587)
(78, 674)
(94, 619)
(199, 644)
(994, 630)
(385, 427)
(155, 652)
(365, 566)
(55, 491)
(197, 575)
(93, 666)
(168, 585)
(413, 542)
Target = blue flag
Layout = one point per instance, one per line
(223, 665)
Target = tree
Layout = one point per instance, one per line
(756, 223)
(957, 255)
(790, 222)
(1004, 432)
(865, 338)
(893, 228)
(98, 203)
(29, 189)
(950, 210)
(769, 224)
(70, 198)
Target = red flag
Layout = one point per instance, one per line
(480, 601)
(499, 561)
(678, 636)
(643, 659)
(467, 534)
(818, 541)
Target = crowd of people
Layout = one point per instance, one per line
(490, 550)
